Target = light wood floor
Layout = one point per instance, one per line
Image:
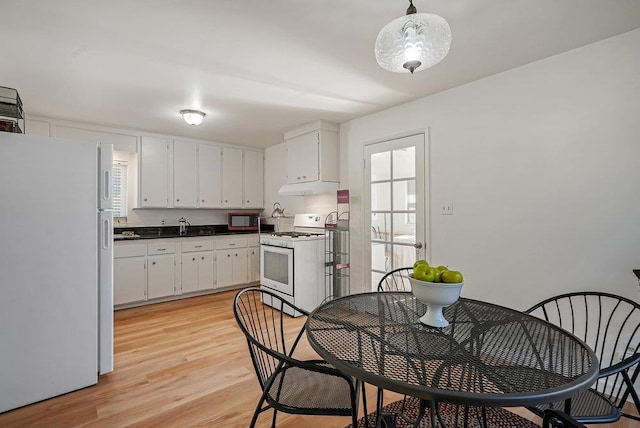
(177, 364)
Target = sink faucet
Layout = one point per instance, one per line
(183, 226)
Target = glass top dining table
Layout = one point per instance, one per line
(489, 355)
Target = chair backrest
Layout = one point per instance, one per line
(609, 324)
(396, 280)
(270, 342)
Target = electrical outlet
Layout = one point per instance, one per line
(446, 208)
(163, 221)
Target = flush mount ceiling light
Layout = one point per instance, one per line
(192, 117)
(413, 42)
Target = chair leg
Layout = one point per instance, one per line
(275, 413)
(259, 409)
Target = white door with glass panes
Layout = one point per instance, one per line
(395, 204)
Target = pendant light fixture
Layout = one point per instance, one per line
(413, 42)
(192, 117)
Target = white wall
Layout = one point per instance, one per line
(542, 164)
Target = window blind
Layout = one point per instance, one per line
(119, 173)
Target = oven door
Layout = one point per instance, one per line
(276, 268)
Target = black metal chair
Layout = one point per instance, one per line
(610, 325)
(396, 280)
(311, 387)
(559, 419)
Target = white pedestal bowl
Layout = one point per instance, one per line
(436, 296)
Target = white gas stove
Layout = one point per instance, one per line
(292, 263)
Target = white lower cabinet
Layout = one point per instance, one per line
(168, 268)
(198, 265)
(129, 273)
(129, 280)
(160, 276)
(254, 259)
(232, 267)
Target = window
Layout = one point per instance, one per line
(119, 189)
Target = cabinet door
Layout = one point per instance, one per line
(302, 158)
(210, 176)
(240, 266)
(206, 270)
(189, 272)
(129, 280)
(232, 176)
(185, 174)
(254, 264)
(160, 280)
(154, 172)
(253, 179)
(224, 267)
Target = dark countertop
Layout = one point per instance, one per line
(163, 232)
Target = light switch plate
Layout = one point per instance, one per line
(446, 208)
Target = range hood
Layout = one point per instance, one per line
(309, 188)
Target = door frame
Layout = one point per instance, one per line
(366, 215)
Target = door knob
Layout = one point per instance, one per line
(418, 245)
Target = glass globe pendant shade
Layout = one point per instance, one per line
(192, 117)
(413, 42)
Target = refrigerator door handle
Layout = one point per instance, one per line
(105, 176)
(106, 234)
(106, 185)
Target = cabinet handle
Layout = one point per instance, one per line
(298, 178)
(247, 201)
(228, 255)
(198, 246)
(178, 200)
(236, 254)
(162, 249)
(145, 199)
(153, 263)
(203, 200)
(226, 200)
(304, 176)
(232, 244)
(194, 259)
(202, 258)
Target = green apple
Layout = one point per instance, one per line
(439, 270)
(451, 277)
(420, 262)
(430, 275)
(420, 272)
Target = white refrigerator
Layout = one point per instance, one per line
(56, 267)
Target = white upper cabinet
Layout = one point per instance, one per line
(121, 142)
(302, 158)
(232, 178)
(154, 172)
(313, 156)
(185, 174)
(210, 176)
(253, 179)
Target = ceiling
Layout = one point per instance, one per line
(259, 68)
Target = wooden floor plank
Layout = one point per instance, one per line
(179, 364)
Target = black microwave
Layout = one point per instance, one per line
(243, 220)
